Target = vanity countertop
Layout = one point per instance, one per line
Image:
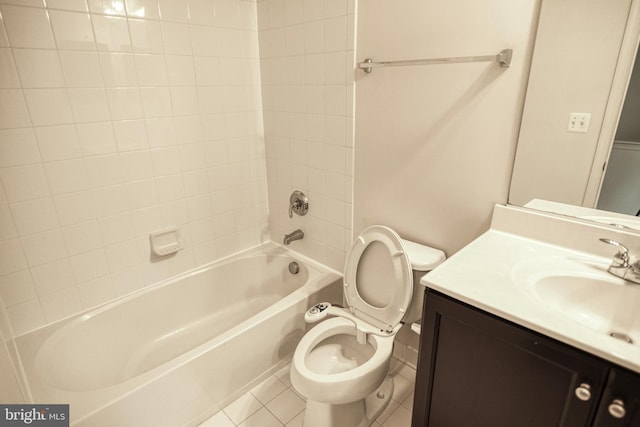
(488, 274)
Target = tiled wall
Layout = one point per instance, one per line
(306, 58)
(118, 118)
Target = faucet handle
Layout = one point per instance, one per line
(622, 257)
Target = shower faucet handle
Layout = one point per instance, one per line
(298, 203)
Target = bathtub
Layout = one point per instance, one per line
(176, 352)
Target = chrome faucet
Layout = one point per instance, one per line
(621, 266)
(295, 235)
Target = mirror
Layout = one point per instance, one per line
(582, 63)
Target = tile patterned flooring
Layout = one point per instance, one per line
(275, 403)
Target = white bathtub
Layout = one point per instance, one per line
(174, 353)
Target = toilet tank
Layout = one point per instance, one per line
(423, 259)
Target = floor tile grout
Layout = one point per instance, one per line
(246, 409)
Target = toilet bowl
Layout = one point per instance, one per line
(341, 364)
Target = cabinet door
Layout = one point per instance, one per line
(620, 403)
(478, 370)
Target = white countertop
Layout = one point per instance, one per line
(482, 275)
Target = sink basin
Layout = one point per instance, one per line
(583, 291)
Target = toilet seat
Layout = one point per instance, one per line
(332, 388)
(378, 280)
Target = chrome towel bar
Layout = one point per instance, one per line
(503, 58)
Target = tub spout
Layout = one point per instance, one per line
(296, 235)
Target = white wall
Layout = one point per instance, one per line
(306, 56)
(573, 66)
(435, 144)
(117, 119)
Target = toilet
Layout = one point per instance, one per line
(341, 365)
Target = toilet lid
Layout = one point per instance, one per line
(378, 281)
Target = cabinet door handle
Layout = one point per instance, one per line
(616, 409)
(583, 392)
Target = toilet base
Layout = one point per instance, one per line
(361, 413)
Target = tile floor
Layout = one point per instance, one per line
(274, 403)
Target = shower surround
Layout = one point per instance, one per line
(124, 117)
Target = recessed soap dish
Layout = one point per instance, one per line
(165, 242)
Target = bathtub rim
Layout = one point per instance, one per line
(261, 248)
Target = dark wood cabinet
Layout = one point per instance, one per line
(620, 403)
(476, 369)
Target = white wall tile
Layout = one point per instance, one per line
(136, 165)
(188, 129)
(104, 170)
(88, 104)
(27, 27)
(60, 304)
(152, 70)
(156, 101)
(7, 226)
(53, 277)
(26, 316)
(116, 228)
(161, 132)
(184, 100)
(166, 160)
(82, 237)
(143, 9)
(38, 68)
(112, 200)
(177, 39)
(48, 106)
(96, 138)
(89, 265)
(95, 292)
(107, 7)
(146, 220)
(118, 69)
(13, 258)
(128, 281)
(201, 12)
(180, 70)
(72, 30)
(34, 216)
(81, 69)
(18, 147)
(73, 208)
(170, 188)
(77, 5)
(17, 287)
(44, 247)
(174, 10)
(66, 176)
(146, 36)
(112, 33)
(24, 182)
(8, 74)
(13, 109)
(130, 135)
(207, 71)
(124, 103)
(205, 40)
(123, 255)
(142, 194)
(58, 142)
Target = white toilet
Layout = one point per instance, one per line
(341, 365)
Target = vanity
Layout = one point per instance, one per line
(525, 327)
